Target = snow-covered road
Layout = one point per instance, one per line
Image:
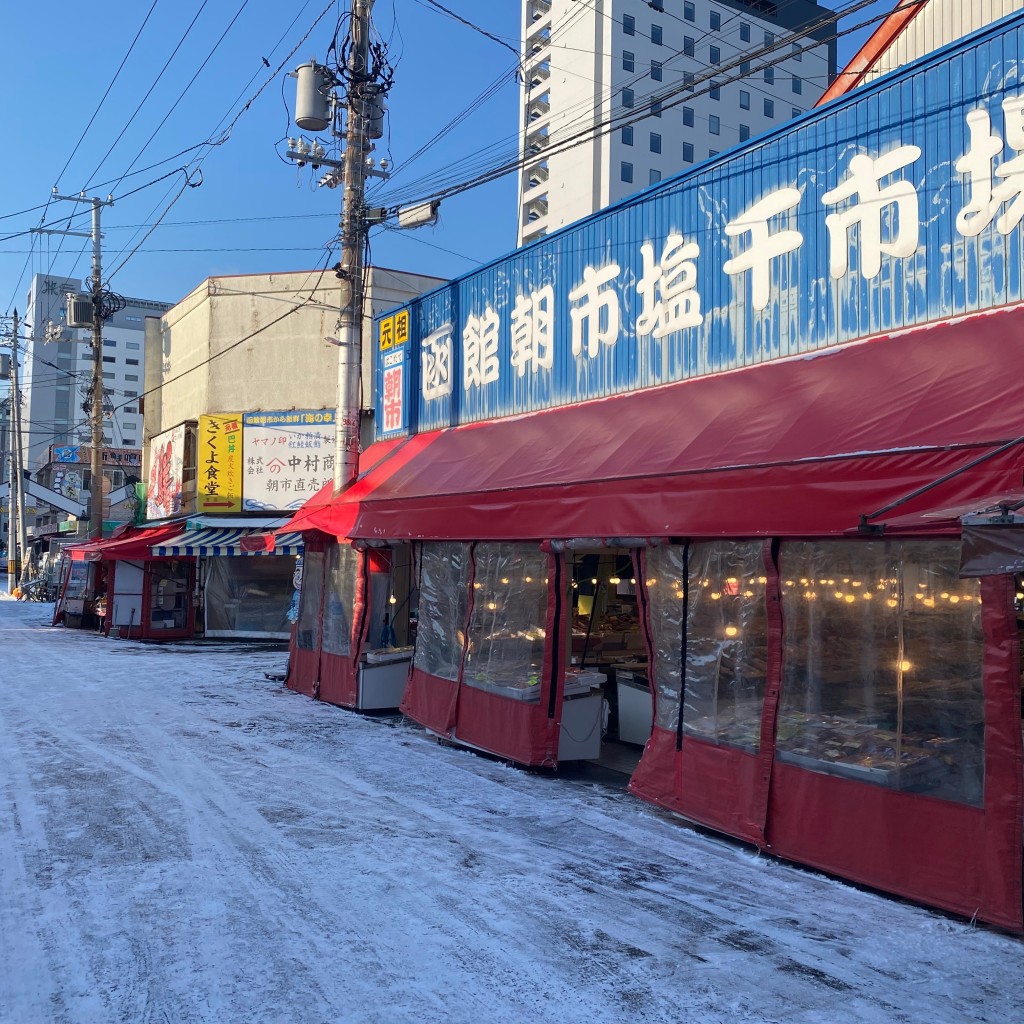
(183, 840)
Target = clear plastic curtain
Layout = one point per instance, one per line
(307, 630)
(508, 625)
(339, 597)
(443, 603)
(722, 586)
(882, 669)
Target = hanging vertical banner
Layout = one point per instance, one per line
(166, 471)
(219, 469)
(289, 456)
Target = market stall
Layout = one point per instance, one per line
(350, 643)
(901, 772)
(244, 573)
(144, 596)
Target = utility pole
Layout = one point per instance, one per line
(367, 78)
(353, 241)
(96, 407)
(17, 534)
(18, 464)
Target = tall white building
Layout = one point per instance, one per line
(740, 67)
(55, 375)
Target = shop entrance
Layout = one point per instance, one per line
(607, 649)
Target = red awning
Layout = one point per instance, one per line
(133, 546)
(803, 446)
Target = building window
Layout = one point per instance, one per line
(769, 38)
(712, 152)
(655, 108)
(689, 11)
(744, 32)
(655, 176)
(628, 25)
(688, 46)
(716, 55)
(716, 91)
(131, 394)
(744, 67)
(798, 54)
(110, 359)
(798, 85)
(688, 116)
(107, 439)
(133, 319)
(656, 70)
(109, 344)
(688, 80)
(797, 111)
(131, 376)
(108, 376)
(132, 345)
(655, 142)
(688, 152)
(626, 171)
(628, 61)
(132, 408)
(131, 362)
(714, 125)
(744, 99)
(744, 132)
(769, 108)
(769, 76)
(627, 135)
(627, 98)
(656, 35)
(716, 21)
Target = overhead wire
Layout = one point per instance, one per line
(671, 97)
(586, 104)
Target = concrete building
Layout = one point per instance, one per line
(741, 67)
(252, 343)
(914, 28)
(56, 373)
(56, 369)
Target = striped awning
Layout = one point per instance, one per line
(230, 541)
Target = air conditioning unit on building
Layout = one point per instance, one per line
(79, 310)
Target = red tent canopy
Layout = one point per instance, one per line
(133, 545)
(800, 446)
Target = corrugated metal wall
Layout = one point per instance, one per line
(864, 146)
(937, 24)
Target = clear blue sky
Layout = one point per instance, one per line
(253, 213)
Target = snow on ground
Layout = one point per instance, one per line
(183, 840)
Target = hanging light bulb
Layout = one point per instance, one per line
(731, 631)
(594, 581)
(613, 580)
(392, 600)
(491, 606)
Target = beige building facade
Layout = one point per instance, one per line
(257, 342)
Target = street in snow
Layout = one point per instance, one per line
(184, 840)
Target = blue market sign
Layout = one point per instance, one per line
(897, 205)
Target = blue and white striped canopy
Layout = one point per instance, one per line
(212, 542)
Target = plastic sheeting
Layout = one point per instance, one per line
(248, 595)
(507, 626)
(882, 670)
(445, 572)
(992, 550)
(938, 816)
(307, 629)
(341, 574)
(721, 585)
